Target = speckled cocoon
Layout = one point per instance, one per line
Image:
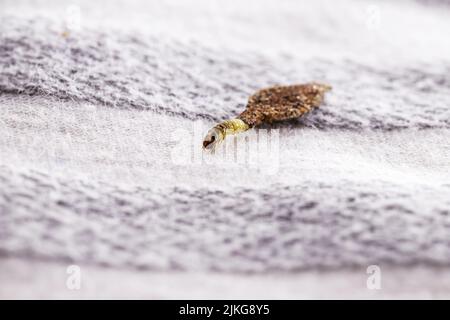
(87, 122)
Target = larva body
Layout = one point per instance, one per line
(268, 105)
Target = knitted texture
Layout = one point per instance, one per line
(127, 71)
(306, 226)
(87, 173)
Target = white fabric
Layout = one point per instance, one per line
(90, 122)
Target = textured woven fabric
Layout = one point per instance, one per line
(88, 122)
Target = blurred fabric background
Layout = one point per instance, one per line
(94, 96)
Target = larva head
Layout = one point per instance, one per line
(213, 138)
